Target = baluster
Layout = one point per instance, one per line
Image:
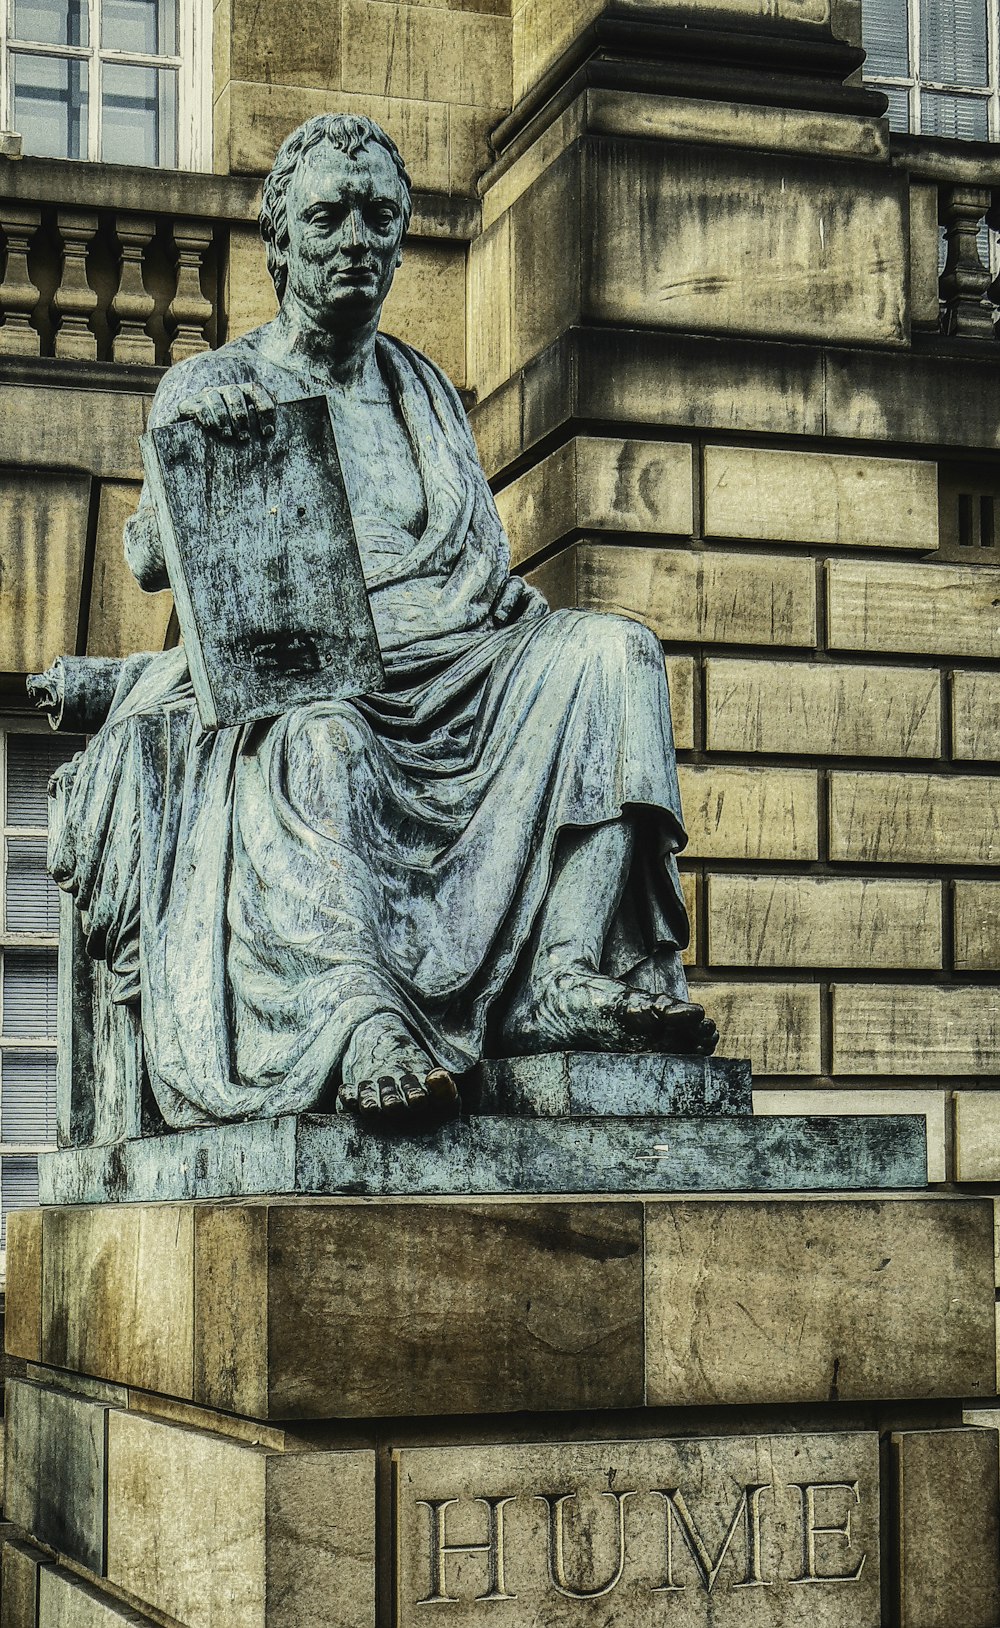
(18, 295)
(189, 311)
(131, 305)
(74, 299)
(964, 281)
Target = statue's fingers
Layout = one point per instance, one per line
(212, 412)
(264, 403)
(368, 1097)
(238, 409)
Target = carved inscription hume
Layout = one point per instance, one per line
(731, 1532)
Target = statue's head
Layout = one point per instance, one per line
(334, 211)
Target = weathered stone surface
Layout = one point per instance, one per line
(601, 484)
(977, 1135)
(736, 124)
(864, 1099)
(937, 819)
(575, 1084)
(19, 1574)
(732, 812)
(736, 1532)
(38, 423)
(43, 534)
(823, 498)
(423, 52)
(23, 1299)
(122, 617)
(817, 1300)
(559, 1326)
(938, 610)
(812, 707)
(55, 1470)
(222, 1535)
(277, 47)
(493, 1156)
(719, 597)
(949, 1528)
(680, 682)
(118, 1297)
(807, 921)
(907, 1029)
(977, 926)
(66, 1601)
(975, 715)
(252, 120)
(776, 1025)
(700, 268)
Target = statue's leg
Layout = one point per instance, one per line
(564, 1000)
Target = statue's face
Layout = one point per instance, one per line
(345, 226)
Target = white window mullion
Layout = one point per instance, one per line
(6, 77)
(94, 104)
(916, 111)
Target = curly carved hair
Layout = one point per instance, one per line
(350, 134)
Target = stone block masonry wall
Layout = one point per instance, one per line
(836, 697)
(436, 76)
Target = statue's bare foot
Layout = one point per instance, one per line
(385, 1071)
(575, 1011)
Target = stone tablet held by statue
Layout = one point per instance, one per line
(292, 624)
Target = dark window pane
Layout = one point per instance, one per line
(28, 1097)
(885, 37)
(149, 26)
(29, 993)
(953, 42)
(18, 1188)
(964, 116)
(899, 106)
(31, 762)
(52, 22)
(32, 898)
(50, 105)
(140, 115)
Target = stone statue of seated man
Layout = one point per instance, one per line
(354, 902)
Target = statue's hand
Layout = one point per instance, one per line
(236, 412)
(517, 599)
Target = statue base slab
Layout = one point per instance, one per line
(565, 1123)
(339, 1413)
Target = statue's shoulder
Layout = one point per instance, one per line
(236, 362)
(435, 380)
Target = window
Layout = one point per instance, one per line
(29, 923)
(119, 81)
(937, 61)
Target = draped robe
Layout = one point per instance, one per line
(261, 890)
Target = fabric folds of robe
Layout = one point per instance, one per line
(261, 890)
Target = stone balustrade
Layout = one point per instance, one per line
(955, 193)
(114, 265)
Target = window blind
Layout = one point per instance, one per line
(885, 32)
(28, 1097)
(18, 1187)
(29, 994)
(31, 762)
(942, 114)
(32, 897)
(953, 42)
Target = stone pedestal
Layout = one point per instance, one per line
(565, 1360)
(305, 1412)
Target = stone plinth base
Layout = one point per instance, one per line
(354, 1414)
(563, 1123)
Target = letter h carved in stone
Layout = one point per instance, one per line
(441, 1548)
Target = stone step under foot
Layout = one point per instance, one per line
(490, 1154)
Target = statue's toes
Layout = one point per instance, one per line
(390, 1092)
(442, 1087)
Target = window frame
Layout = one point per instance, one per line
(192, 63)
(913, 84)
